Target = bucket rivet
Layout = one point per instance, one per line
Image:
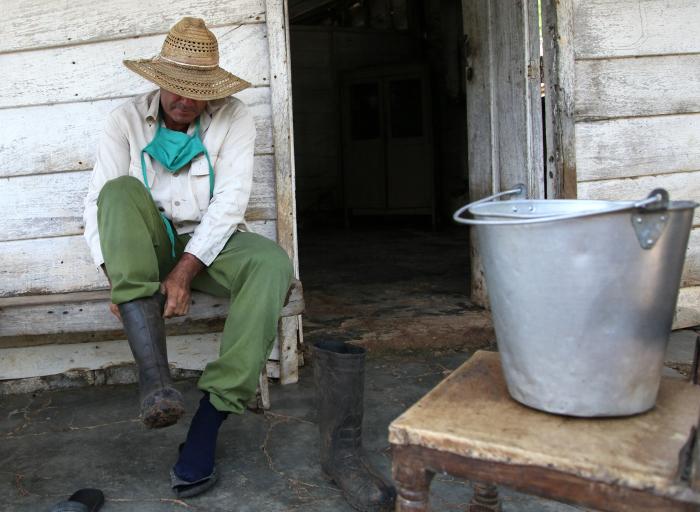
(638, 220)
(663, 217)
(531, 208)
(515, 209)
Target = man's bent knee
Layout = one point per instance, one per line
(120, 187)
(276, 259)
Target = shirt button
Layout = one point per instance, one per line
(177, 203)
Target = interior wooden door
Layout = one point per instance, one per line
(387, 141)
(364, 154)
(409, 144)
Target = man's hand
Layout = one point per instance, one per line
(113, 308)
(176, 286)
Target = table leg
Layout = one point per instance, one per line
(412, 485)
(485, 498)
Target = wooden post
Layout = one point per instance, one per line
(557, 36)
(477, 50)
(283, 140)
(485, 498)
(504, 121)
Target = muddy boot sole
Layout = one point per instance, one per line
(162, 408)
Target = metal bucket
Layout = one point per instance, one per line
(582, 295)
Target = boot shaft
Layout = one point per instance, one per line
(339, 374)
(145, 330)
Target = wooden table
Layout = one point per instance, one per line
(469, 427)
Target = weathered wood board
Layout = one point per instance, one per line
(628, 147)
(517, 106)
(95, 71)
(557, 28)
(687, 308)
(62, 264)
(631, 87)
(637, 107)
(691, 270)
(32, 24)
(187, 352)
(64, 77)
(680, 186)
(630, 28)
(76, 127)
(50, 205)
(85, 317)
(283, 140)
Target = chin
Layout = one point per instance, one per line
(184, 118)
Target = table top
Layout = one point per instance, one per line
(470, 413)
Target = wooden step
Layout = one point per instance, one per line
(82, 317)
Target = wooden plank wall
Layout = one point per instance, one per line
(64, 62)
(637, 110)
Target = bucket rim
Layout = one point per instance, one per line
(532, 208)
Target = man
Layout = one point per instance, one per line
(164, 214)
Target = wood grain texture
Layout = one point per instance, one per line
(71, 142)
(558, 60)
(691, 270)
(517, 107)
(95, 71)
(51, 205)
(630, 28)
(62, 264)
(687, 308)
(283, 139)
(85, 317)
(31, 24)
(471, 414)
(629, 147)
(680, 186)
(412, 464)
(633, 87)
(479, 126)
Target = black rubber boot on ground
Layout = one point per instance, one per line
(339, 372)
(161, 404)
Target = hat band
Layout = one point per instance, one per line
(191, 66)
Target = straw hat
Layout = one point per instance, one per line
(188, 64)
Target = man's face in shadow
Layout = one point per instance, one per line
(180, 111)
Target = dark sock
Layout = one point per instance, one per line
(196, 459)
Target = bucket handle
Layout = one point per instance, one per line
(657, 201)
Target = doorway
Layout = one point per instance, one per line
(395, 128)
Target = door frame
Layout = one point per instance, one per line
(558, 64)
(503, 81)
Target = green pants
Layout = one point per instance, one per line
(254, 272)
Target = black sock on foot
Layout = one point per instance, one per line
(196, 459)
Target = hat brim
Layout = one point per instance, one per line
(197, 84)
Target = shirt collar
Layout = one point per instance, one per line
(205, 118)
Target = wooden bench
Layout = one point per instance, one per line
(470, 427)
(84, 317)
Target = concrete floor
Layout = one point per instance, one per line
(410, 311)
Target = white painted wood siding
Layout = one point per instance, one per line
(64, 74)
(637, 110)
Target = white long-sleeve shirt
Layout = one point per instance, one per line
(227, 131)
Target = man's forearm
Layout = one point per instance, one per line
(187, 268)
